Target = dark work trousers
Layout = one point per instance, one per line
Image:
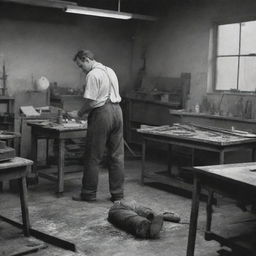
(105, 131)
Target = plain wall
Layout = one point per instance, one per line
(39, 42)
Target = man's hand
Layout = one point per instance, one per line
(74, 114)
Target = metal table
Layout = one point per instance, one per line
(60, 133)
(236, 181)
(204, 140)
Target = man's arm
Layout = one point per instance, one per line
(86, 107)
(82, 111)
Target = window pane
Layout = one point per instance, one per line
(228, 39)
(248, 37)
(226, 71)
(247, 74)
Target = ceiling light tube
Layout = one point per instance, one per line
(143, 17)
(98, 12)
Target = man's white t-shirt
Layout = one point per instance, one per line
(101, 85)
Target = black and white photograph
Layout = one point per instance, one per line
(128, 127)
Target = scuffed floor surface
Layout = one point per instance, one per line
(86, 225)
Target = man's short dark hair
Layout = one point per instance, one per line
(82, 54)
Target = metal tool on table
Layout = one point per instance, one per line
(186, 127)
(232, 131)
(69, 122)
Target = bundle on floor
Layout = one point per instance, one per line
(135, 219)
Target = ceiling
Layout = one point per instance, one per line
(134, 6)
(147, 7)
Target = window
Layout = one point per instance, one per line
(236, 57)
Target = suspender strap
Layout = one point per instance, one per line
(110, 81)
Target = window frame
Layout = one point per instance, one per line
(215, 54)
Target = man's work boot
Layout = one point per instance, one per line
(116, 198)
(82, 197)
(171, 216)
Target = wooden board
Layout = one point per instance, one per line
(15, 162)
(59, 127)
(6, 153)
(242, 172)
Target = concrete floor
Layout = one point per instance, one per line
(86, 225)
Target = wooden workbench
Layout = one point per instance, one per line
(194, 138)
(237, 181)
(42, 130)
(18, 168)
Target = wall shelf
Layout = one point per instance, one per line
(204, 115)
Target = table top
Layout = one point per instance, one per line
(241, 172)
(5, 135)
(15, 162)
(58, 127)
(194, 134)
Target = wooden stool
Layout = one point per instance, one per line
(18, 168)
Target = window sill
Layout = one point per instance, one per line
(232, 93)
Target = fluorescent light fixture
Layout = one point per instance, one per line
(98, 12)
(106, 13)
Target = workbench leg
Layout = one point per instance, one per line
(143, 159)
(61, 145)
(34, 178)
(170, 159)
(47, 152)
(17, 145)
(221, 157)
(192, 157)
(193, 217)
(253, 154)
(34, 152)
(21, 133)
(209, 210)
(24, 205)
(253, 207)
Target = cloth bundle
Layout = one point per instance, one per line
(136, 219)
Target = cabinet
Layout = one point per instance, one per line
(138, 112)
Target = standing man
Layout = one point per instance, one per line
(105, 127)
